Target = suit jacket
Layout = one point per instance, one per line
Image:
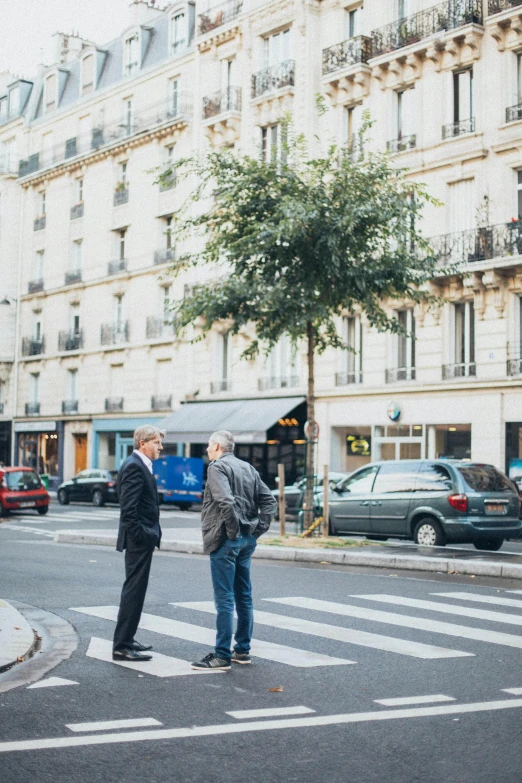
(139, 505)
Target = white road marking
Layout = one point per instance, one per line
(404, 701)
(280, 653)
(483, 599)
(436, 606)
(23, 528)
(159, 666)
(339, 634)
(514, 691)
(406, 621)
(519, 592)
(313, 721)
(52, 682)
(274, 712)
(106, 725)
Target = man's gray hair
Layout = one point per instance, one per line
(146, 433)
(223, 439)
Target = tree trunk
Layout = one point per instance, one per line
(310, 438)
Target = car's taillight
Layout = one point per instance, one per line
(458, 502)
(111, 483)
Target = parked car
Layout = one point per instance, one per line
(294, 494)
(97, 486)
(433, 502)
(22, 488)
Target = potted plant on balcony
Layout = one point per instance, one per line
(121, 187)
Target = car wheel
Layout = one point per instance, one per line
(493, 544)
(43, 510)
(428, 532)
(97, 498)
(63, 497)
(184, 506)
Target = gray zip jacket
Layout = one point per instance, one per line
(234, 495)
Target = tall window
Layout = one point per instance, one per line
(404, 8)
(463, 95)
(8, 156)
(42, 203)
(352, 123)
(352, 22)
(121, 243)
(406, 346)
(74, 318)
(174, 97)
(225, 357)
(37, 327)
(519, 193)
(353, 337)
(50, 93)
(405, 113)
(79, 191)
(276, 48)
(35, 387)
(283, 363)
(118, 313)
(88, 74)
(38, 265)
(464, 314)
(131, 54)
(166, 291)
(168, 232)
(76, 256)
(177, 33)
(128, 116)
(73, 385)
(273, 143)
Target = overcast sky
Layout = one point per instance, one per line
(28, 25)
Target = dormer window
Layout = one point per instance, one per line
(177, 31)
(3, 109)
(14, 102)
(51, 85)
(132, 54)
(181, 27)
(88, 74)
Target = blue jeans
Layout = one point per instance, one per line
(230, 569)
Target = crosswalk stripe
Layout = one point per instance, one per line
(514, 591)
(159, 666)
(274, 712)
(404, 701)
(107, 725)
(194, 633)
(351, 636)
(483, 599)
(513, 691)
(406, 621)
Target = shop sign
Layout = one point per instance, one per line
(35, 426)
(358, 446)
(394, 412)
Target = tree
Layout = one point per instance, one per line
(297, 242)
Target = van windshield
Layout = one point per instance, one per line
(486, 478)
(22, 480)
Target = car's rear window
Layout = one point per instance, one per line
(486, 478)
(20, 480)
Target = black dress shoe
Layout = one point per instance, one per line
(141, 647)
(130, 655)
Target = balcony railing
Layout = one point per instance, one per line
(402, 144)
(33, 347)
(220, 386)
(35, 286)
(115, 334)
(70, 341)
(350, 52)
(29, 166)
(219, 15)
(158, 328)
(347, 378)
(397, 374)
(69, 407)
(74, 276)
(273, 78)
(164, 256)
(121, 196)
(479, 244)
(71, 148)
(161, 402)
(39, 223)
(77, 211)
(496, 6)
(282, 382)
(437, 19)
(462, 370)
(221, 102)
(32, 408)
(458, 128)
(120, 265)
(113, 404)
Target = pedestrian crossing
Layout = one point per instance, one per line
(359, 625)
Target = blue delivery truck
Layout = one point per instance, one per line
(180, 480)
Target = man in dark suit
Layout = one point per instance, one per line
(138, 535)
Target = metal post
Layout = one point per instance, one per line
(282, 519)
(326, 489)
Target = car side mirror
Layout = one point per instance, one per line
(338, 488)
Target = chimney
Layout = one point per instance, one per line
(142, 12)
(67, 47)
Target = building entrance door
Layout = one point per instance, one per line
(124, 448)
(80, 453)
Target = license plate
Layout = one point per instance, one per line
(496, 508)
(26, 505)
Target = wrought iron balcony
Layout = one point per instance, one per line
(120, 265)
(282, 382)
(71, 148)
(121, 196)
(445, 16)
(74, 276)
(398, 374)
(115, 334)
(113, 404)
(458, 128)
(70, 341)
(402, 144)
(273, 78)
(221, 102)
(77, 211)
(32, 408)
(220, 386)
(158, 328)
(164, 256)
(29, 166)
(219, 15)
(350, 52)
(32, 346)
(347, 378)
(34, 286)
(161, 402)
(461, 370)
(39, 223)
(496, 6)
(479, 244)
(69, 407)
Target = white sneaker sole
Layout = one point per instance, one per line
(243, 663)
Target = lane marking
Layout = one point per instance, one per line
(514, 691)
(266, 725)
(270, 651)
(269, 713)
(519, 592)
(483, 599)
(103, 725)
(159, 666)
(406, 621)
(52, 682)
(338, 633)
(436, 606)
(403, 701)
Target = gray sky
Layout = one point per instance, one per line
(28, 25)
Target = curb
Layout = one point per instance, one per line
(17, 639)
(331, 556)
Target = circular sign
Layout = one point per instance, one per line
(393, 411)
(309, 434)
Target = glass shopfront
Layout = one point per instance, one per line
(42, 450)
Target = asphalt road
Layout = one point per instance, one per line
(337, 654)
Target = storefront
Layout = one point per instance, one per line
(514, 451)
(5, 442)
(113, 440)
(39, 445)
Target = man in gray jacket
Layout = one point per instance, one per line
(237, 508)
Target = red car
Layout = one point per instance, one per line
(22, 488)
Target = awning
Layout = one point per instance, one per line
(247, 420)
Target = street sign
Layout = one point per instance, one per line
(308, 434)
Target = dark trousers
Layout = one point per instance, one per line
(137, 569)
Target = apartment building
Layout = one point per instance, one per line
(87, 252)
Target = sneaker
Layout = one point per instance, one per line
(238, 657)
(212, 663)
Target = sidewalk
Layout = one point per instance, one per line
(17, 638)
(440, 559)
